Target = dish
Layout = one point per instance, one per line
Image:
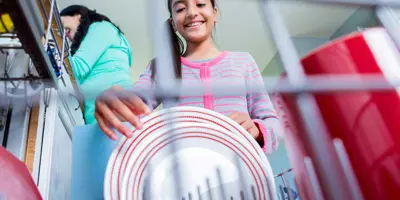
(123, 152)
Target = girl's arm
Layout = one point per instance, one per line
(261, 110)
(100, 36)
(146, 84)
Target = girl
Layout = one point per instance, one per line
(100, 54)
(200, 60)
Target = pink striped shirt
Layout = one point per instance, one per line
(236, 66)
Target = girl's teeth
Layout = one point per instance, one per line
(194, 24)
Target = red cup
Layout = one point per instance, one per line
(367, 122)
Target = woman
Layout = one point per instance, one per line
(198, 60)
(100, 54)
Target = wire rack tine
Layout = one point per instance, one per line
(288, 187)
(312, 177)
(390, 22)
(190, 196)
(348, 169)
(5, 93)
(63, 48)
(49, 21)
(282, 192)
(244, 193)
(199, 192)
(164, 76)
(269, 181)
(220, 182)
(209, 192)
(371, 3)
(28, 99)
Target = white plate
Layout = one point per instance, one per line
(200, 150)
(114, 171)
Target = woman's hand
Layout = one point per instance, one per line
(116, 105)
(244, 120)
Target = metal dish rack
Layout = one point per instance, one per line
(46, 55)
(30, 30)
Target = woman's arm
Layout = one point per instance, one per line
(261, 110)
(118, 104)
(100, 36)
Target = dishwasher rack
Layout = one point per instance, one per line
(29, 29)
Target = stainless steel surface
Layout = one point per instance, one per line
(18, 131)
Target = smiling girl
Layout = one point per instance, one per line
(199, 60)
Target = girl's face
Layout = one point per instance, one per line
(193, 19)
(71, 24)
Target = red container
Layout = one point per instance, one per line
(16, 182)
(368, 122)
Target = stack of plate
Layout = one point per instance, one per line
(188, 153)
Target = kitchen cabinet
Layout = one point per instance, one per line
(52, 167)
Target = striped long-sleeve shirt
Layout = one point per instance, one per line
(235, 66)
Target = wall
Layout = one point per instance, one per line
(303, 46)
(362, 18)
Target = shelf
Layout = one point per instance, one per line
(30, 29)
(57, 32)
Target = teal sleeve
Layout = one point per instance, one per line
(100, 36)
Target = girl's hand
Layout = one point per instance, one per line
(116, 105)
(244, 120)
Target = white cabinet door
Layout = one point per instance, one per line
(54, 147)
(61, 162)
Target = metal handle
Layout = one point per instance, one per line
(77, 99)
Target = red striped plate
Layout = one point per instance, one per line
(123, 152)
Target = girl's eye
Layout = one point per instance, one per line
(179, 10)
(200, 5)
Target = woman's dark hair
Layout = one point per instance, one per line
(87, 18)
(177, 46)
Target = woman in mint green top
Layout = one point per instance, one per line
(100, 54)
